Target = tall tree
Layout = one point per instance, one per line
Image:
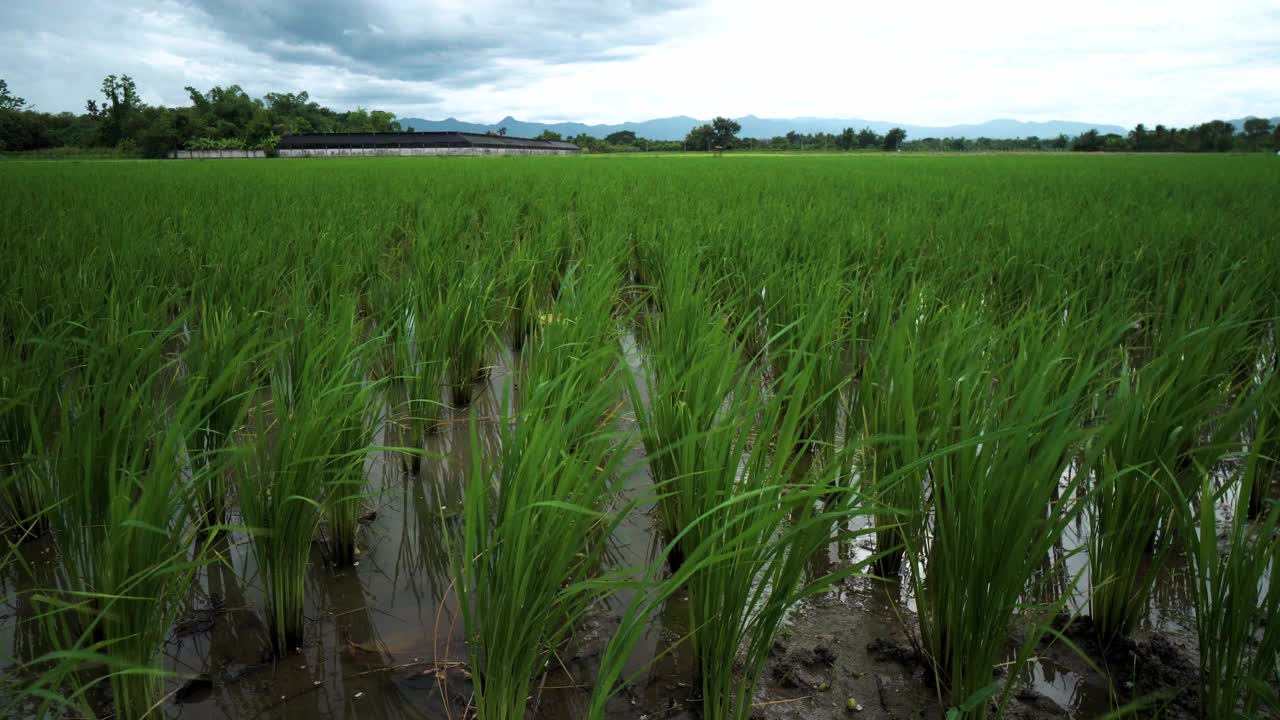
(894, 138)
(1257, 133)
(122, 104)
(9, 101)
(701, 137)
(724, 132)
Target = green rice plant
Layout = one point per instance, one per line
(893, 409)
(689, 374)
(523, 293)
(354, 413)
(29, 374)
(805, 328)
(296, 470)
(466, 330)
(1160, 421)
(578, 324)
(1266, 435)
(753, 515)
(419, 359)
(998, 499)
(124, 524)
(1236, 596)
(220, 370)
(536, 522)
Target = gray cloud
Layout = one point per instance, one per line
(422, 42)
(371, 53)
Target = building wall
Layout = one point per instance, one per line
(215, 154)
(414, 152)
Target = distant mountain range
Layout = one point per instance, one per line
(1239, 124)
(675, 128)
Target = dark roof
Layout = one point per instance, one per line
(417, 139)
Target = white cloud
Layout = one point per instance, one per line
(934, 63)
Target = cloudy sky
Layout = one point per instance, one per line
(1171, 61)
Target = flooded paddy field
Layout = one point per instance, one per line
(640, 438)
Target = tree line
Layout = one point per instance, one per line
(1258, 134)
(228, 118)
(219, 118)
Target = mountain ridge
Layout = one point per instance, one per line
(676, 127)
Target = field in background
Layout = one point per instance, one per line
(443, 429)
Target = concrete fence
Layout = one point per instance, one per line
(414, 152)
(215, 154)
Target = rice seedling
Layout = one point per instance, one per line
(805, 328)
(892, 409)
(1236, 596)
(419, 359)
(939, 330)
(222, 350)
(353, 409)
(301, 467)
(1157, 427)
(523, 294)
(28, 400)
(752, 515)
(124, 525)
(997, 499)
(466, 330)
(1266, 435)
(536, 518)
(690, 373)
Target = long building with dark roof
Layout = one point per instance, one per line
(417, 143)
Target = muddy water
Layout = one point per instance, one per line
(384, 638)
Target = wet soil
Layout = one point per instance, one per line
(384, 638)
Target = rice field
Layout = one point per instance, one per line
(641, 437)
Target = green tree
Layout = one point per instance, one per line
(383, 121)
(549, 135)
(868, 138)
(1139, 137)
(701, 137)
(724, 133)
(1255, 128)
(1214, 136)
(894, 139)
(1258, 132)
(122, 104)
(622, 137)
(9, 101)
(847, 139)
(502, 130)
(1088, 141)
(166, 132)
